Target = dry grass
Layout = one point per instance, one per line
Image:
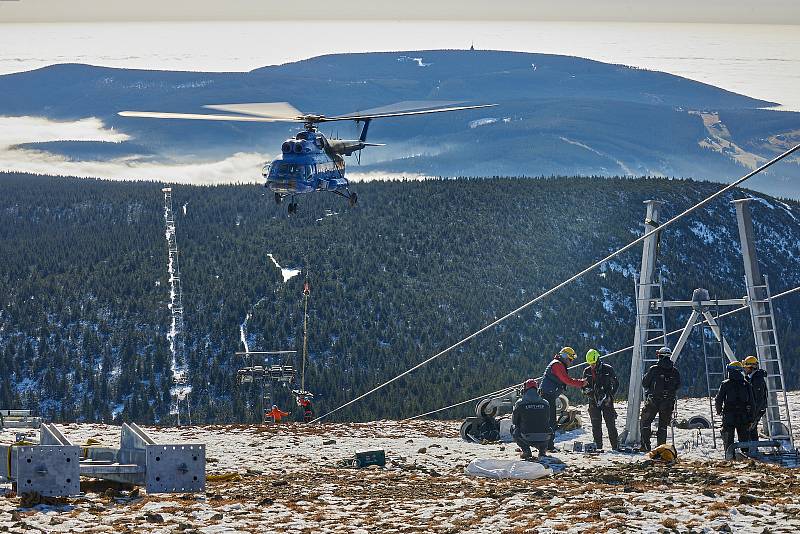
(670, 523)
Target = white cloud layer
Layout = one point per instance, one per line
(242, 167)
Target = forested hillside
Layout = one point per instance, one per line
(411, 270)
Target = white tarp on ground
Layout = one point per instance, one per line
(494, 468)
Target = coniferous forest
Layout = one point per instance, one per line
(411, 270)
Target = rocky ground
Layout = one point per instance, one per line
(291, 478)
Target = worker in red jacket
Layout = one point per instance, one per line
(277, 414)
(553, 383)
(308, 409)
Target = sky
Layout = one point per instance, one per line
(714, 11)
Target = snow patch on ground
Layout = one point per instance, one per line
(291, 478)
(287, 273)
(417, 60)
(703, 232)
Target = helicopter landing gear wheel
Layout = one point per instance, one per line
(353, 199)
(278, 198)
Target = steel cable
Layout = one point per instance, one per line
(571, 279)
(577, 365)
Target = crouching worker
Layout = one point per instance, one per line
(531, 421)
(735, 403)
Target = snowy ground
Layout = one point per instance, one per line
(286, 479)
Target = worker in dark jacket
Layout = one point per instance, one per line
(660, 384)
(734, 402)
(530, 421)
(601, 386)
(553, 383)
(758, 381)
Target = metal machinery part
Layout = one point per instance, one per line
(18, 419)
(776, 453)
(53, 467)
(486, 425)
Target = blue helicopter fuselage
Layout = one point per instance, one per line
(306, 165)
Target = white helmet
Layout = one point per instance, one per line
(664, 351)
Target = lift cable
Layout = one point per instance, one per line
(568, 281)
(620, 351)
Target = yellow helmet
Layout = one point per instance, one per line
(750, 361)
(736, 364)
(592, 356)
(569, 352)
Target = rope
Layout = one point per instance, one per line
(616, 352)
(568, 281)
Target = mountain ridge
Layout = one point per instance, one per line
(565, 115)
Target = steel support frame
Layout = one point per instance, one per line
(53, 467)
(712, 323)
(758, 310)
(631, 435)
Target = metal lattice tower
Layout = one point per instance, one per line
(176, 333)
(644, 305)
(759, 299)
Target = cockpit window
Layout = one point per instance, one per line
(302, 135)
(290, 171)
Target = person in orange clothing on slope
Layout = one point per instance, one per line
(277, 414)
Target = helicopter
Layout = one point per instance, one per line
(309, 161)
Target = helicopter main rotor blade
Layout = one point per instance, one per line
(202, 116)
(401, 114)
(406, 105)
(272, 110)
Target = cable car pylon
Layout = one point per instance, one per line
(571, 279)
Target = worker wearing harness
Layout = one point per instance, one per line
(758, 381)
(601, 386)
(734, 402)
(660, 384)
(530, 421)
(554, 381)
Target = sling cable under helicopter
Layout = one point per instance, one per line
(280, 373)
(310, 162)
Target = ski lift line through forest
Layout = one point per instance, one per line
(577, 365)
(574, 277)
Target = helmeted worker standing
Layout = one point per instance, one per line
(758, 381)
(277, 414)
(601, 386)
(734, 402)
(554, 381)
(308, 409)
(530, 421)
(660, 383)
